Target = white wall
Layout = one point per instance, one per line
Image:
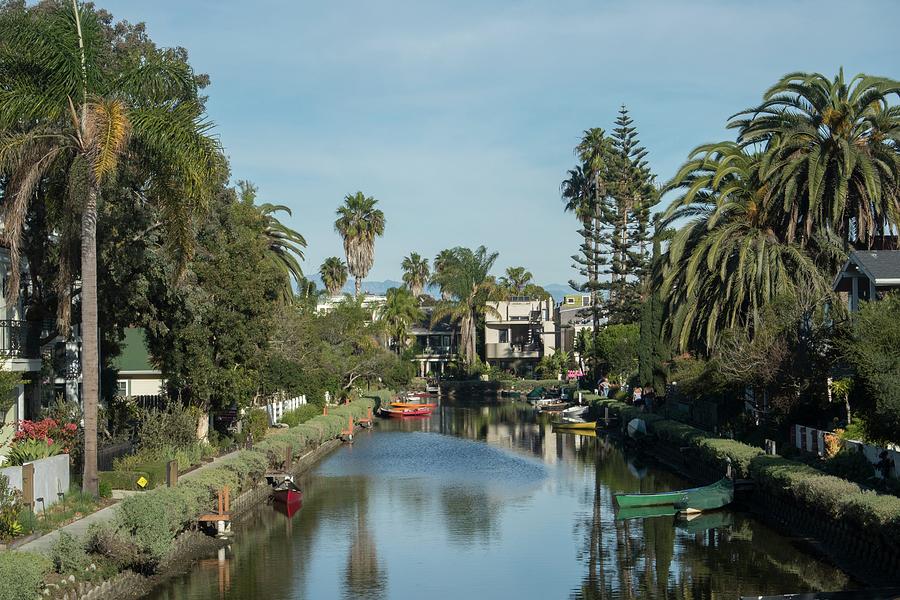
(51, 477)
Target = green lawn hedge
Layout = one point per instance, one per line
(810, 488)
(21, 575)
(123, 480)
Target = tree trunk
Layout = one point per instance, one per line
(90, 348)
(847, 407)
(203, 425)
(358, 284)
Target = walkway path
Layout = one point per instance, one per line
(78, 528)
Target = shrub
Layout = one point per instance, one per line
(256, 424)
(69, 555)
(301, 414)
(21, 575)
(29, 450)
(175, 427)
(850, 464)
(10, 509)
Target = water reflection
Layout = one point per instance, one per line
(417, 509)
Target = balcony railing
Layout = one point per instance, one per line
(18, 339)
(436, 351)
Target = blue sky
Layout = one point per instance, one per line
(460, 117)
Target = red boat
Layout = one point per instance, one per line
(418, 411)
(287, 493)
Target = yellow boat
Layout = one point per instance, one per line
(413, 404)
(576, 425)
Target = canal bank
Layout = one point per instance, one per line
(856, 529)
(484, 499)
(155, 534)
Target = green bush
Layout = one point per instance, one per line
(256, 424)
(301, 414)
(30, 450)
(10, 510)
(69, 555)
(850, 464)
(175, 427)
(21, 575)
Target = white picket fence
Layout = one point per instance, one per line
(277, 409)
(812, 440)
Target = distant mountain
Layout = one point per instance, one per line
(558, 290)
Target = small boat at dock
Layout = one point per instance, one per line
(709, 497)
(287, 492)
(400, 412)
(573, 424)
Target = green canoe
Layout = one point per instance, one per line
(536, 393)
(645, 512)
(711, 496)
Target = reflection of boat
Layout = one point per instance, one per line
(510, 393)
(711, 496)
(645, 512)
(698, 523)
(289, 509)
(396, 412)
(573, 424)
(287, 492)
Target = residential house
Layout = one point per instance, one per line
(137, 375)
(868, 275)
(436, 344)
(520, 331)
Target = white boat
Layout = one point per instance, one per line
(575, 412)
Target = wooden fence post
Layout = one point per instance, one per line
(28, 484)
(172, 473)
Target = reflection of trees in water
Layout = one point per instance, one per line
(363, 575)
(658, 558)
(470, 515)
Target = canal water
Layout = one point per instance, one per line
(485, 501)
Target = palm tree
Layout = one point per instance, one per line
(334, 275)
(465, 278)
(729, 261)
(415, 273)
(516, 280)
(284, 244)
(831, 158)
(401, 310)
(443, 258)
(74, 108)
(359, 223)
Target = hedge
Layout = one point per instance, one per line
(713, 450)
(838, 498)
(808, 487)
(151, 521)
(21, 575)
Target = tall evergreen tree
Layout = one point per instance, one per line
(634, 194)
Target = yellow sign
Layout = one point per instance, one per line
(142, 481)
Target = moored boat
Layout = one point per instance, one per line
(708, 497)
(413, 405)
(287, 492)
(398, 412)
(573, 424)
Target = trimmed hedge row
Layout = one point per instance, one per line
(123, 480)
(838, 498)
(810, 488)
(145, 526)
(713, 450)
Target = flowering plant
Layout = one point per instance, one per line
(50, 431)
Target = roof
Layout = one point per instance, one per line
(135, 356)
(882, 266)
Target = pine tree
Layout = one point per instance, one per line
(634, 195)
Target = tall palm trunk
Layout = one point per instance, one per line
(358, 283)
(90, 352)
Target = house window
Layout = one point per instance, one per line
(504, 336)
(122, 388)
(570, 300)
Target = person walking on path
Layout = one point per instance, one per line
(636, 396)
